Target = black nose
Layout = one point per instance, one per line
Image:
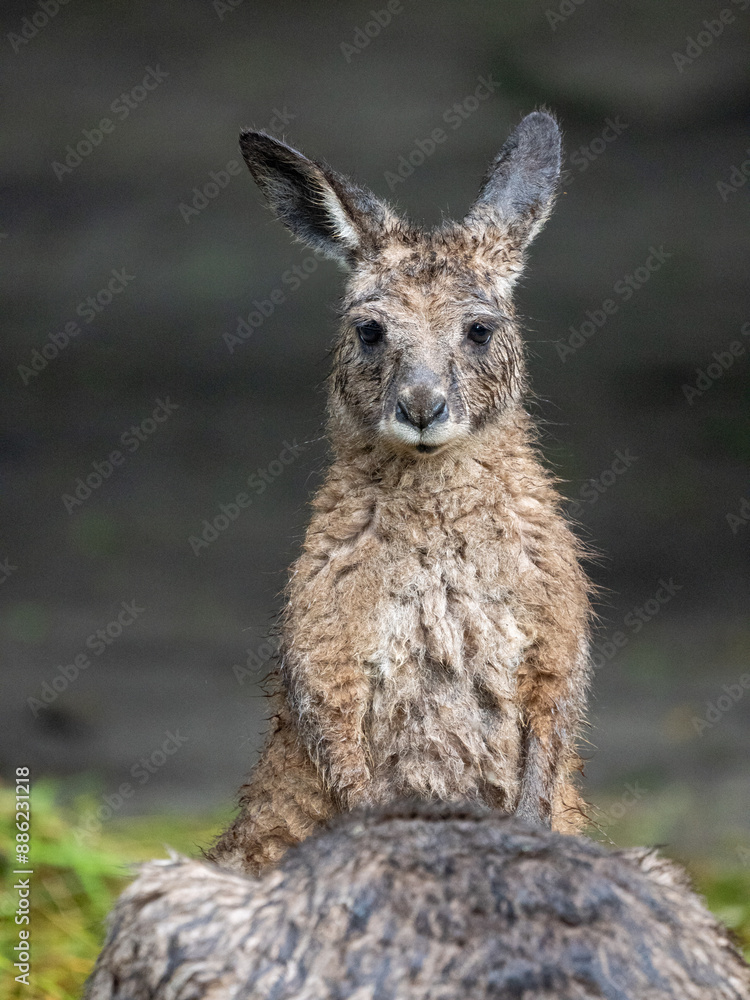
(421, 408)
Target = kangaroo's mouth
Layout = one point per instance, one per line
(421, 442)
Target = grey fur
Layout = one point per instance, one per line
(417, 902)
(519, 189)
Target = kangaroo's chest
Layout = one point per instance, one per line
(449, 615)
(444, 717)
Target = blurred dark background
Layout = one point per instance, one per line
(655, 106)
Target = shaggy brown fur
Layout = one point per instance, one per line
(433, 903)
(435, 636)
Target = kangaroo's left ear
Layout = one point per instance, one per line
(320, 207)
(519, 188)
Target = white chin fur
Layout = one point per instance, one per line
(409, 437)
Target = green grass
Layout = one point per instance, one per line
(76, 879)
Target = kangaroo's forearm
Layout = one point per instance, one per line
(552, 690)
(281, 805)
(330, 701)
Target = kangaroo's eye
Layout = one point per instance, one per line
(370, 332)
(479, 333)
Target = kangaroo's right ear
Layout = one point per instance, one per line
(320, 207)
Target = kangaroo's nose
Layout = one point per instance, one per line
(421, 407)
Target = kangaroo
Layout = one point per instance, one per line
(419, 903)
(434, 640)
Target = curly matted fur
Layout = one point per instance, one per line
(426, 902)
(434, 641)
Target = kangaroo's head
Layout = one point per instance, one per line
(429, 352)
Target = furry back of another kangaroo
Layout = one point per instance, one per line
(434, 641)
(421, 901)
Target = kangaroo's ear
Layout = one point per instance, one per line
(519, 189)
(320, 207)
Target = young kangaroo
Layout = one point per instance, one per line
(434, 642)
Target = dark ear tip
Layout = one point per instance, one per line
(261, 151)
(251, 140)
